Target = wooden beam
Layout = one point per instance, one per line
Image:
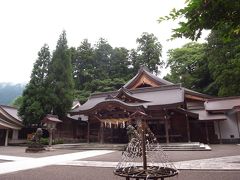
(195, 97)
(206, 129)
(88, 132)
(220, 135)
(166, 126)
(101, 133)
(188, 129)
(237, 119)
(6, 137)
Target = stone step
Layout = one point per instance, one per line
(121, 147)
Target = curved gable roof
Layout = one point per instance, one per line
(10, 117)
(143, 71)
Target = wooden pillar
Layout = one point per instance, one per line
(206, 129)
(88, 132)
(220, 135)
(166, 126)
(188, 129)
(143, 132)
(101, 133)
(15, 134)
(6, 137)
(50, 131)
(237, 119)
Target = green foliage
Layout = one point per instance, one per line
(206, 14)
(149, 52)
(102, 68)
(60, 79)
(212, 68)
(17, 102)
(35, 104)
(188, 65)
(224, 63)
(97, 68)
(83, 64)
(45, 141)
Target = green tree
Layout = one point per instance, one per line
(119, 63)
(189, 66)
(148, 52)
(224, 63)
(135, 62)
(83, 64)
(206, 14)
(102, 59)
(35, 104)
(60, 79)
(17, 102)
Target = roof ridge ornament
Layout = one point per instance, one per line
(143, 68)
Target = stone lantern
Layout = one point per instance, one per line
(50, 121)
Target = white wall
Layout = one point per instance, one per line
(228, 127)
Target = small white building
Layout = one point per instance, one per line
(10, 124)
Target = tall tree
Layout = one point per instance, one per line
(206, 14)
(102, 59)
(35, 104)
(224, 63)
(149, 52)
(119, 63)
(189, 66)
(83, 64)
(60, 79)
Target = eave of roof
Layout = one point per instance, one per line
(168, 96)
(11, 114)
(222, 104)
(144, 70)
(203, 115)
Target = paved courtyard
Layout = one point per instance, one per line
(223, 163)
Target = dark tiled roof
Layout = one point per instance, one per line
(160, 96)
(144, 70)
(222, 104)
(11, 111)
(10, 117)
(203, 115)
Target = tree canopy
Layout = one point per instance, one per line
(188, 65)
(35, 104)
(198, 15)
(60, 79)
(212, 68)
(102, 68)
(77, 72)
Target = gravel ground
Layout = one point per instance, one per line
(20, 151)
(92, 173)
(174, 156)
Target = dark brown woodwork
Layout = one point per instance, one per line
(206, 129)
(143, 132)
(166, 126)
(88, 132)
(188, 129)
(144, 79)
(219, 130)
(194, 97)
(101, 133)
(237, 119)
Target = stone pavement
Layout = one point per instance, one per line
(226, 163)
(223, 163)
(30, 163)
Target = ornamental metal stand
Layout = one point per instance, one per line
(144, 158)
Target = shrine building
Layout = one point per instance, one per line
(175, 113)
